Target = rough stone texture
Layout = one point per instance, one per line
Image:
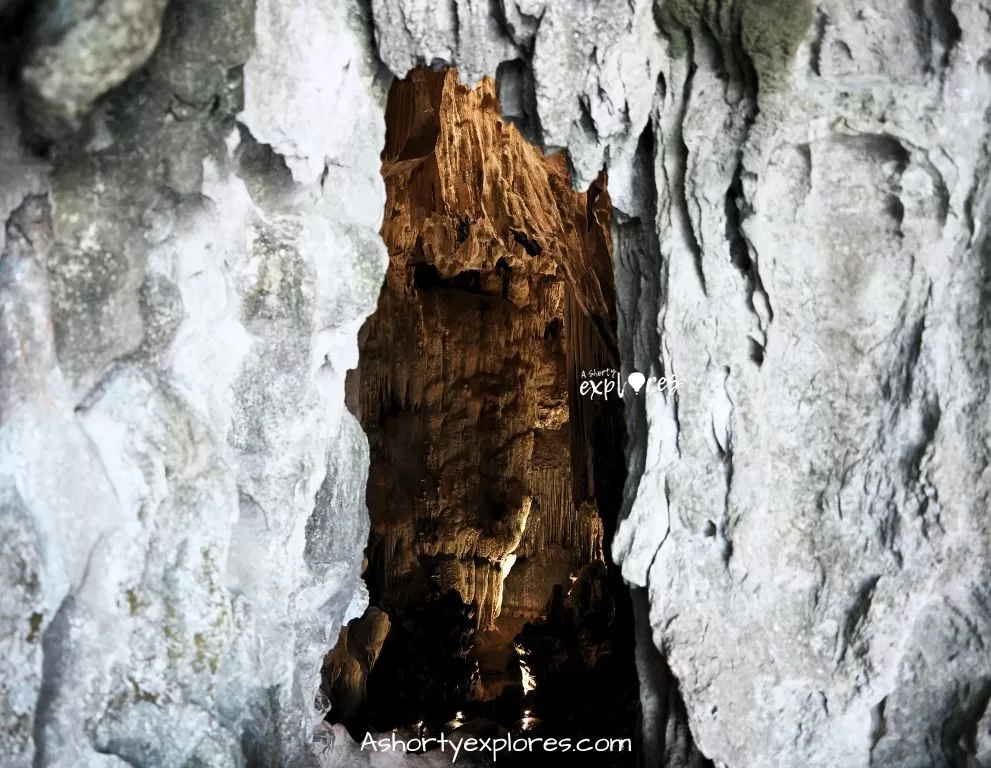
(182, 488)
(800, 238)
(345, 670)
(496, 269)
(79, 50)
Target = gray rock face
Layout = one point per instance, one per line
(182, 283)
(810, 518)
(79, 50)
(801, 214)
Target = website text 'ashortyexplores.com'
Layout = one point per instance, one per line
(493, 745)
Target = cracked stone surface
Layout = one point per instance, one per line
(801, 204)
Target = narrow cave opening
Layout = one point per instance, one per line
(496, 477)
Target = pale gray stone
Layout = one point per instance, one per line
(182, 489)
(801, 211)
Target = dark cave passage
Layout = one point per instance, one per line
(495, 481)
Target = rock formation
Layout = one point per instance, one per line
(497, 303)
(346, 668)
(183, 275)
(191, 202)
(496, 269)
(800, 198)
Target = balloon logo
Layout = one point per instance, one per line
(637, 381)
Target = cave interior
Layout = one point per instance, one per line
(495, 482)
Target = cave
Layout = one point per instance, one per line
(495, 480)
(334, 403)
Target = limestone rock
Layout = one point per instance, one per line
(182, 488)
(496, 265)
(800, 239)
(78, 50)
(805, 519)
(346, 668)
(801, 209)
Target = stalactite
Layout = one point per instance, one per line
(394, 546)
(478, 581)
(493, 263)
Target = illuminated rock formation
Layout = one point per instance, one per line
(463, 381)
(801, 202)
(191, 203)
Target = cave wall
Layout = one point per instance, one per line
(800, 193)
(186, 262)
(466, 369)
(800, 237)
